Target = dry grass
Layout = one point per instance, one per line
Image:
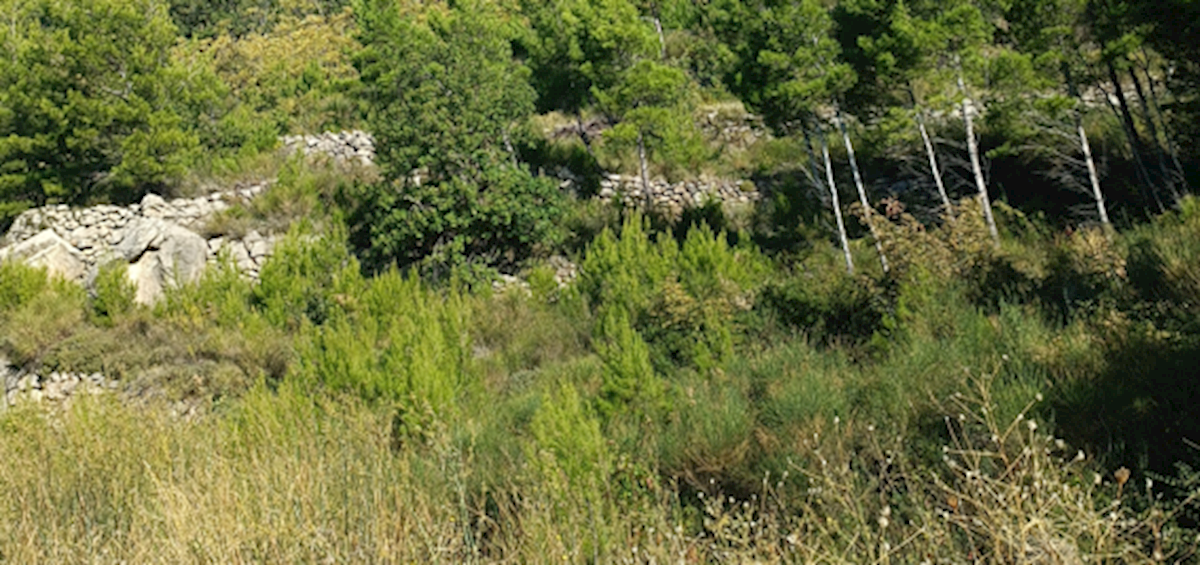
(280, 478)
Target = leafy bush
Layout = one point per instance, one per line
(498, 219)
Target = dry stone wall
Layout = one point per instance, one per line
(674, 198)
(347, 146)
(156, 238)
(54, 387)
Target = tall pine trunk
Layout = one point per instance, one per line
(835, 201)
(858, 184)
(976, 168)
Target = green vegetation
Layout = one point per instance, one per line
(988, 354)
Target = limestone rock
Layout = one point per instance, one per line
(47, 249)
(161, 254)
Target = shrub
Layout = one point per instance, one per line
(629, 378)
(308, 278)
(499, 219)
(114, 293)
(400, 344)
(19, 283)
(683, 300)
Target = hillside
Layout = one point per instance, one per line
(599, 282)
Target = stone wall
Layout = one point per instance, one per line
(157, 238)
(54, 387)
(342, 146)
(673, 198)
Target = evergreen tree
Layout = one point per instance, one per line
(88, 100)
(445, 95)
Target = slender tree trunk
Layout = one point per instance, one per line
(1172, 150)
(662, 38)
(1093, 176)
(933, 164)
(1091, 168)
(1135, 141)
(1159, 151)
(858, 184)
(976, 168)
(837, 206)
(645, 178)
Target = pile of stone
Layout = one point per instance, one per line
(55, 387)
(345, 146)
(674, 198)
(155, 239)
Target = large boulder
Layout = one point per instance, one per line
(48, 250)
(160, 254)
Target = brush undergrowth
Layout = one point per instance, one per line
(686, 400)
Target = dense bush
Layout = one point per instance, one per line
(445, 95)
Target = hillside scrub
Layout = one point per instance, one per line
(664, 402)
(944, 308)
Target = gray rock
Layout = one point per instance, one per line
(47, 249)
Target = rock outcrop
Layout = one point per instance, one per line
(157, 239)
(50, 251)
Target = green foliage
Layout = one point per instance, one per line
(19, 283)
(629, 379)
(43, 320)
(453, 193)
(89, 102)
(565, 429)
(682, 300)
(114, 294)
(309, 279)
(578, 47)
(298, 78)
(400, 343)
(501, 217)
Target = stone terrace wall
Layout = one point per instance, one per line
(670, 197)
(157, 238)
(342, 146)
(674, 198)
